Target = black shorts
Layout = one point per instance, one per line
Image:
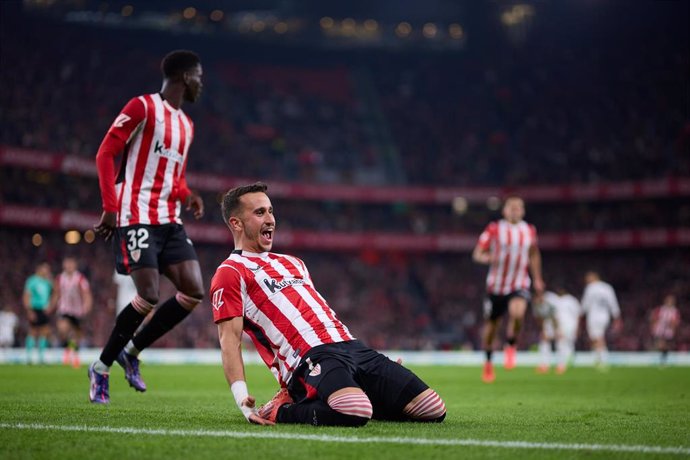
(495, 306)
(41, 318)
(328, 368)
(74, 321)
(151, 246)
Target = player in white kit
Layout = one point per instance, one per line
(600, 304)
(560, 314)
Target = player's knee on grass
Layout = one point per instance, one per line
(426, 407)
(352, 402)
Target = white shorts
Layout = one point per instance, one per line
(548, 329)
(596, 328)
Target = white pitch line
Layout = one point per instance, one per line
(353, 439)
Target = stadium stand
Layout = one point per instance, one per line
(606, 184)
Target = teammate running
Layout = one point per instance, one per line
(141, 212)
(509, 247)
(327, 377)
(665, 320)
(73, 299)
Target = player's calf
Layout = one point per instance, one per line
(426, 407)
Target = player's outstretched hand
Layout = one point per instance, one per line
(196, 204)
(106, 225)
(253, 417)
(257, 420)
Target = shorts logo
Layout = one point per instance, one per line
(136, 254)
(217, 300)
(316, 370)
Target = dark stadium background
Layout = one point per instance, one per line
(387, 131)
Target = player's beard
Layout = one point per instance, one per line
(191, 94)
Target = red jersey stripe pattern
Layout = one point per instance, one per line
(157, 138)
(71, 300)
(284, 315)
(509, 245)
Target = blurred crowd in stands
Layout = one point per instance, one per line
(390, 300)
(59, 191)
(547, 112)
(544, 113)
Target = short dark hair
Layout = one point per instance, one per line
(231, 199)
(177, 62)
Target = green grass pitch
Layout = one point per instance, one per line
(44, 413)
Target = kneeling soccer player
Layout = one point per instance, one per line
(327, 377)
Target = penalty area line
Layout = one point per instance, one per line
(352, 439)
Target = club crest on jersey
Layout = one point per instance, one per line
(217, 299)
(135, 254)
(316, 370)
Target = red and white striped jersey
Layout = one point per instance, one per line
(284, 315)
(71, 298)
(151, 182)
(509, 245)
(665, 318)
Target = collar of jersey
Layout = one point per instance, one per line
(241, 252)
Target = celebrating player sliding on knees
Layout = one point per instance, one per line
(327, 377)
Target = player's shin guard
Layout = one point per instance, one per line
(428, 408)
(126, 323)
(168, 315)
(356, 404)
(318, 413)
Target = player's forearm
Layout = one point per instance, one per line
(230, 335)
(105, 164)
(481, 256)
(535, 264)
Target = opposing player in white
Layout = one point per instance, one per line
(560, 313)
(600, 304)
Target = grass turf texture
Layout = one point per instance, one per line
(626, 406)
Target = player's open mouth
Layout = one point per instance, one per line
(267, 235)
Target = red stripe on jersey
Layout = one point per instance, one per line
(512, 283)
(294, 297)
(309, 315)
(344, 335)
(281, 322)
(267, 350)
(172, 205)
(142, 158)
(507, 258)
(159, 178)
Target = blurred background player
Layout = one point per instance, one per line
(327, 377)
(600, 304)
(559, 313)
(8, 326)
(37, 293)
(125, 291)
(665, 320)
(142, 214)
(509, 247)
(72, 296)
